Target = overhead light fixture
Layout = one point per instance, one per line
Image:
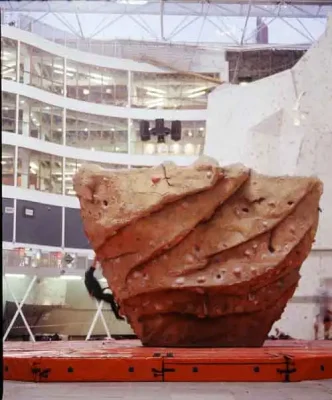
(6, 108)
(198, 94)
(97, 76)
(189, 149)
(67, 68)
(108, 91)
(22, 101)
(149, 148)
(7, 71)
(155, 103)
(201, 129)
(33, 165)
(244, 83)
(70, 74)
(152, 89)
(67, 178)
(199, 89)
(176, 148)
(162, 148)
(86, 91)
(190, 134)
(153, 94)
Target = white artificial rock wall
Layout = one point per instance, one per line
(283, 125)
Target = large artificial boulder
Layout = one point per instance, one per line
(201, 255)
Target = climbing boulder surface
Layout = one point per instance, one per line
(201, 255)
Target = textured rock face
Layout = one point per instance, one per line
(200, 255)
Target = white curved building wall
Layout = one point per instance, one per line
(283, 125)
(50, 290)
(66, 103)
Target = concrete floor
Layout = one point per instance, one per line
(318, 390)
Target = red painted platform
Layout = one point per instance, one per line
(119, 361)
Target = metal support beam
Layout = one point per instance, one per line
(19, 308)
(98, 313)
(317, 8)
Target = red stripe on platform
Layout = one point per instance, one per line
(129, 361)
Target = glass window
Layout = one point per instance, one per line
(39, 171)
(41, 69)
(8, 58)
(97, 84)
(7, 164)
(8, 112)
(71, 167)
(170, 91)
(96, 132)
(191, 143)
(40, 120)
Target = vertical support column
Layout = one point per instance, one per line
(63, 208)
(27, 69)
(15, 165)
(14, 220)
(17, 113)
(129, 106)
(129, 88)
(130, 122)
(18, 60)
(25, 128)
(63, 229)
(15, 184)
(25, 161)
(65, 77)
(64, 126)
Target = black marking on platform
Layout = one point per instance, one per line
(195, 369)
(70, 369)
(287, 371)
(6, 368)
(322, 368)
(40, 373)
(162, 371)
(131, 369)
(167, 355)
(256, 369)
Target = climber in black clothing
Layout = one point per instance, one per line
(95, 290)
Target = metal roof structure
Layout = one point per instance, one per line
(213, 21)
